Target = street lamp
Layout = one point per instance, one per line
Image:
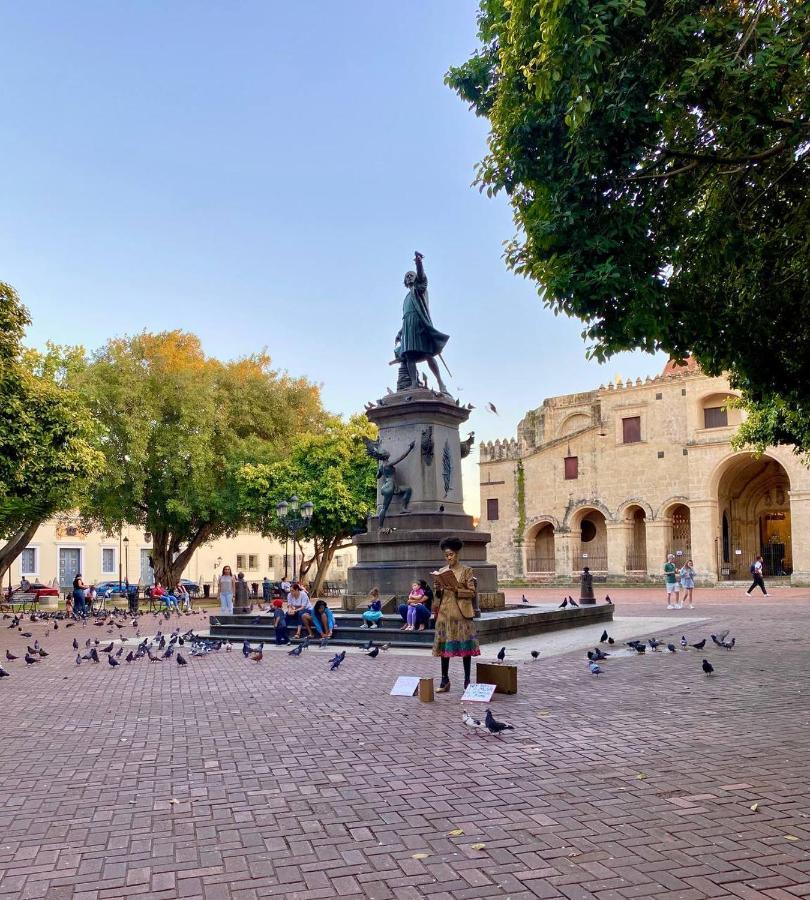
(126, 560)
(293, 520)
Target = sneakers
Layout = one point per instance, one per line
(679, 606)
(374, 625)
(766, 594)
(691, 606)
(365, 624)
(670, 606)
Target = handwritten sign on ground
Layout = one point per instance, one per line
(405, 686)
(479, 693)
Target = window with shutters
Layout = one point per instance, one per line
(492, 510)
(715, 417)
(631, 430)
(28, 561)
(107, 561)
(253, 562)
(240, 561)
(571, 467)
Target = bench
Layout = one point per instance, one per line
(28, 601)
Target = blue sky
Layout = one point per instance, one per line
(260, 173)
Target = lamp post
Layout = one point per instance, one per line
(126, 560)
(120, 554)
(293, 520)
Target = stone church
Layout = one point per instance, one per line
(617, 478)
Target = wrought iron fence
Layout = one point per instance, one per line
(540, 564)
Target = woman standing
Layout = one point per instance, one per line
(79, 588)
(455, 608)
(225, 589)
(688, 583)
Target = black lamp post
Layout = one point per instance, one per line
(126, 560)
(293, 520)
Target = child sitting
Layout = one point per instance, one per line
(415, 599)
(280, 621)
(373, 615)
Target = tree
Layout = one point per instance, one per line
(657, 158)
(47, 439)
(177, 426)
(332, 470)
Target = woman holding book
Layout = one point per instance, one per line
(455, 608)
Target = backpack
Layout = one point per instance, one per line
(753, 568)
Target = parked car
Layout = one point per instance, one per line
(108, 588)
(36, 587)
(191, 586)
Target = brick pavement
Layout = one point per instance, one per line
(635, 784)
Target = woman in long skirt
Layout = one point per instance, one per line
(455, 610)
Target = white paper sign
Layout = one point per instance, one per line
(405, 686)
(479, 693)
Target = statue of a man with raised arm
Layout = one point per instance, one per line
(418, 341)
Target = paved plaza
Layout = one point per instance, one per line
(230, 778)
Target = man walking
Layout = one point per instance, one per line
(756, 574)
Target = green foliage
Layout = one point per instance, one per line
(176, 427)
(332, 470)
(47, 440)
(656, 158)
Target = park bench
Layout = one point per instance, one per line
(27, 601)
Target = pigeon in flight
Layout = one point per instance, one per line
(491, 407)
(337, 660)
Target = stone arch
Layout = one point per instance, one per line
(574, 422)
(635, 516)
(717, 400)
(634, 501)
(753, 503)
(590, 545)
(540, 548)
(571, 517)
(665, 509)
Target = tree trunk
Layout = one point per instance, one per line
(327, 555)
(15, 546)
(168, 567)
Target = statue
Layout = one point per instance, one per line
(417, 340)
(466, 446)
(386, 471)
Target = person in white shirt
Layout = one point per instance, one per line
(299, 609)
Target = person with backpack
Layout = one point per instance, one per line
(756, 574)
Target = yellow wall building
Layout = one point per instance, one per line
(618, 477)
(60, 549)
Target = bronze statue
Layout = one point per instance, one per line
(386, 471)
(417, 340)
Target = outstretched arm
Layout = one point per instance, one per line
(420, 269)
(399, 460)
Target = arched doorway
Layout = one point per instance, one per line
(592, 541)
(540, 549)
(754, 505)
(679, 539)
(637, 543)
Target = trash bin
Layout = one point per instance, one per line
(206, 591)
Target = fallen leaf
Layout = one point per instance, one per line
(641, 776)
(754, 807)
(456, 832)
(419, 856)
(477, 846)
(791, 837)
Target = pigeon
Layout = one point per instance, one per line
(671, 648)
(33, 650)
(385, 646)
(245, 649)
(152, 657)
(595, 669)
(502, 654)
(94, 655)
(599, 654)
(3, 673)
(729, 645)
(374, 653)
(535, 654)
(654, 644)
(366, 646)
(337, 661)
(10, 656)
(181, 660)
(257, 654)
(708, 668)
(611, 641)
(684, 642)
(75, 644)
(715, 640)
(108, 648)
(608, 600)
(78, 659)
(700, 644)
(129, 657)
(572, 602)
(469, 721)
(26, 634)
(43, 653)
(113, 661)
(563, 604)
(168, 653)
(523, 599)
(296, 651)
(604, 637)
(30, 660)
(493, 726)
(491, 408)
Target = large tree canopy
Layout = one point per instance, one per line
(176, 427)
(656, 158)
(47, 438)
(330, 469)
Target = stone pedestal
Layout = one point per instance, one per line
(406, 548)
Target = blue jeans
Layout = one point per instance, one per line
(79, 606)
(422, 613)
